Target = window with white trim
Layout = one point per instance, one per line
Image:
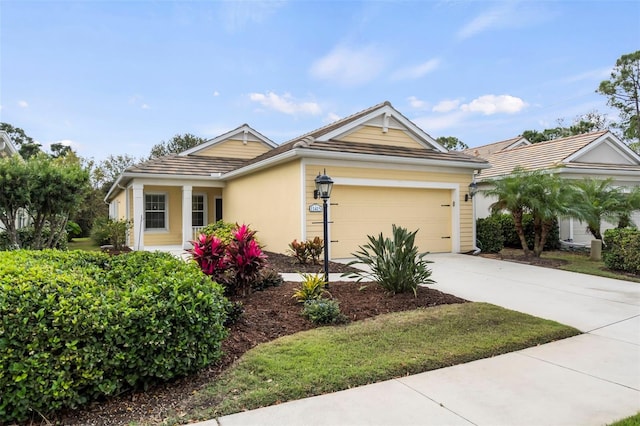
(155, 212)
(198, 210)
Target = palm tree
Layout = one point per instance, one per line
(541, 193)
(509, 191)
(598, 200)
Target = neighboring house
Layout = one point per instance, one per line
(598, 155)
(7, 149)
(385, 170)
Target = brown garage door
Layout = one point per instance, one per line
(358, 211)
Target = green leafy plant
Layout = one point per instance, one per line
(311, 288)
(323, 312)
(489, 236)
(111, 231)
(395, 264)
(315, 248)
(623, 250)
(78, 326)
(221, 230)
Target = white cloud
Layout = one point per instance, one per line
(349, 67)
(331, 117)
(508, 15)
(240, 13)
(285, 104)
(23, 104)
(416, 71)
(417, 103)
(216, 93)
(597, 74)
(145, 106)
(446, 105)
(493, 104)
(440, 122)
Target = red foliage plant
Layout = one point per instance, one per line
(235, 265)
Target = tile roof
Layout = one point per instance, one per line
(542, 155)
(189, 165)
(484, 150)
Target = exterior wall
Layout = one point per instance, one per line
(173, 234)
(233, 148)
(269, 201)
(408, 175)
(603, 153)
(375, 135)
(120, 206)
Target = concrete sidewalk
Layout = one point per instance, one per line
(591, 379)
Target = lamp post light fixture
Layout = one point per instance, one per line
(473, 190)
(324, 184)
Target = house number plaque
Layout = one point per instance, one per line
(315, 208)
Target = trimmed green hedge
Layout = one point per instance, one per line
(512, 240)
(75, 326)
(622, 250)
(489, 236)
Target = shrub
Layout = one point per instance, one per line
(268, 278)
(220, 229)
(512, 240)
(236, 265)
(304, 251)
(395, 263)
(489, 236)
(311, 288)
(27, 236)
(78, 326)
(323, 311)
(623, 250)
(111, 231)
(73, 230)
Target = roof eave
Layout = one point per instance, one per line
(127, 177)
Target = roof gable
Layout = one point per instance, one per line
(7, 149)
(485, 150)
(579, 149)
(244, 134)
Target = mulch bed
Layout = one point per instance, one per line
(529, 260)
(267, 315)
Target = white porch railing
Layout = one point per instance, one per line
(196, 231)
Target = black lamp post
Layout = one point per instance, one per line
(324, 184)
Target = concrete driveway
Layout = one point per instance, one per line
(591, 379)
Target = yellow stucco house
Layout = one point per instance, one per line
(386, 170)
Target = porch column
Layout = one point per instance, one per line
(138, 216)
(187, 228)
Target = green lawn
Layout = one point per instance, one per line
(330, 359)
(579, 262)
(86, 244)
(629, 421)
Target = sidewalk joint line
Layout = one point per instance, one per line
(435, 402)
(614, 323)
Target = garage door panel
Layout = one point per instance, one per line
(360, 211)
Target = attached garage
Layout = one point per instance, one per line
(358, 211)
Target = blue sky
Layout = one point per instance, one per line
(116, 77)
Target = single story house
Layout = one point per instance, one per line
(385, 169)
(598, 155)
(7, 148)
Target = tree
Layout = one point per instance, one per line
(27, 147)
(623, 91)
(175, 145)
(105, 173)
(599, 200)
(452, 143)
(49, 189)
(542, 194)
(60, 150)
(511, 198)
(592, 121)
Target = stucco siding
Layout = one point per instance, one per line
(268, 201)
(375, 135)
(233, 148)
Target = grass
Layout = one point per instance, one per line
(578, 262)
(331, 359)
(85, 243)
(629, 421)
(581, 263)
